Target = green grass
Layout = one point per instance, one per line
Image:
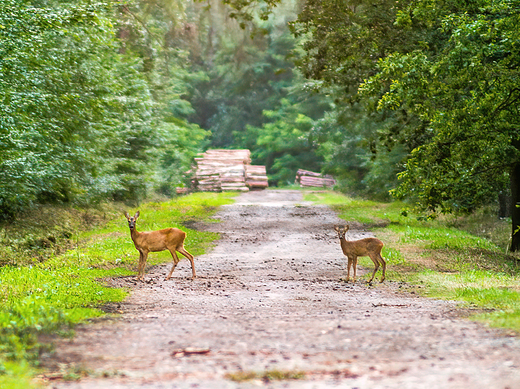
(361, 211)
(18, 375)
(455, 258)
(431, 235)
(49, 297)
(496, 296)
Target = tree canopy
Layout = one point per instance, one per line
(466, 92)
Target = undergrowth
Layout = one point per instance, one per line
(46, 290)
(457, 258)
(266, 376)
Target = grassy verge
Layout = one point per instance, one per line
(456, 258)
(49, 296)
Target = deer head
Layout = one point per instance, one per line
(132, 219)
(342, 231)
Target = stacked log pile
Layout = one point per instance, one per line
(311, 179)
(207, 182)
(232, 178)
(227, 170)
(241, 156)
(256, 177)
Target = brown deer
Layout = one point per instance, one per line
(171, 239)
(367, 247)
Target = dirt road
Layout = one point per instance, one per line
(269, 299)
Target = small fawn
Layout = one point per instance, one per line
(367, 247)
(171, 239)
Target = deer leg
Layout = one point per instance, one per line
(139, 266)
(383, 264)
(175, 262)
(354, 265)
(349, 263)
(143, 256)
(376, 266)
(184, 252)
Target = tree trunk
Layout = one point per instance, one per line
(515, 207)
(504, 205)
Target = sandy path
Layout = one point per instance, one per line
(269, 297)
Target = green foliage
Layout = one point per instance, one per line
(341, 44)
(17, 375)
(283, 144)
(157, 34)
(82, 117)
(251, 88)
(248, 71)
(467, 92)
(247, 10)
(344, 39)
(349, 142)
(423, 91)
(44, 133)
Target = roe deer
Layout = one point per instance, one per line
(171, 239)
(367, 247)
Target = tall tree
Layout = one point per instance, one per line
(58, 92)
(87, 111)
(469, 94)
(160, 35)
(252, 88)
(342, 42)
(247, 71)
(440, 77)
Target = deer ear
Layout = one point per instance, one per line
(127, 215)
(336, 228)
(136, 215)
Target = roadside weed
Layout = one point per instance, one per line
(266, 376)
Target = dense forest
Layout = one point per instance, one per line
(111, 100)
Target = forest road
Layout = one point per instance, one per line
(269, 299)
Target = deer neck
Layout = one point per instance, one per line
(343, 242)
(134, 234)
